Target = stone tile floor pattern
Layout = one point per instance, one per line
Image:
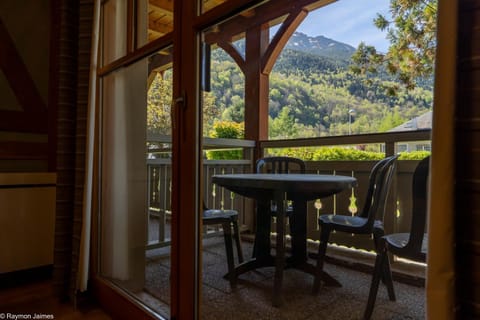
(252, 297)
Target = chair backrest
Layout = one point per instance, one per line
(280, 165)
(380, 181)
(419, 210)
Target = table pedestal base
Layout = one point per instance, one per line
(269, 261)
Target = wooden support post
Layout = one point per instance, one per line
(256, 86)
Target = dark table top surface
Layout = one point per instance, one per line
(262, 185)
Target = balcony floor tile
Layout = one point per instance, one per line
(252, 297)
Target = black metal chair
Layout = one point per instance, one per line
(367, 221)
(411, 245)
(229, 220)
(280, 164)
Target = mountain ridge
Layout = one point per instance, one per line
(320, 45)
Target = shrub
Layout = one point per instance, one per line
(229, 130)
(329, 154)
(346, 154)
(414, 155)
(342, 154)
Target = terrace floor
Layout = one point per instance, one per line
(252, 297)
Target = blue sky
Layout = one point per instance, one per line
(348, 21)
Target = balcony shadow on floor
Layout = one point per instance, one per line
(253, 296)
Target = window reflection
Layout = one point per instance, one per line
(156, 17)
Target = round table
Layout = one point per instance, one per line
(300, 188)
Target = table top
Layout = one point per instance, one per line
(262, 185)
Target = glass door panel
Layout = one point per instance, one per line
(159, 173)
(135, 188)
(155, 20)
(223, 115)
(123, 208)
(114, 41)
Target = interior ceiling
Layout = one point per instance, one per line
(160, 16)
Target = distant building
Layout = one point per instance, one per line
(423, 121)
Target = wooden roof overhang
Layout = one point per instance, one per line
(286, 12)
(260, 54)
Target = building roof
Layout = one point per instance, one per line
(423, 121)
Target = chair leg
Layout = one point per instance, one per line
(387, 278)
(236, 235)
(377, 275)
(386, 272)
(227, 235)
(322, 249)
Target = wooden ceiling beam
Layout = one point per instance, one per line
(164, 5)
(234, 54)
(281, 38)
(209, 4)
(152, 34)
(268, 13)
(161, 10)
(160, 61)
(159, 27)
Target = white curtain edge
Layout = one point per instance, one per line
(84, 254)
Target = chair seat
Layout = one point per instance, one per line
(400, 240)
(219, 214)
(346, 223)
(342, 220)
(229, 220)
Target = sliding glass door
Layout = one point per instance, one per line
(135, 157)
(156, 107)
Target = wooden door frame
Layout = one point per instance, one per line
(186, 144)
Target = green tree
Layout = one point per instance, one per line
(236, 111)
(391, 120)
(283, 127)
(412, 35)
(159, 99)
(211, 112)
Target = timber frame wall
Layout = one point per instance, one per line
(17, 155)
(24, 85)
(467, 121)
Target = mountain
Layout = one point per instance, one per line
(320, 45)
(300, 42)
(312, 87)
(313, 55)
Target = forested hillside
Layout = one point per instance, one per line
(312, 92)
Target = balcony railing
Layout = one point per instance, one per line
(399, 202)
